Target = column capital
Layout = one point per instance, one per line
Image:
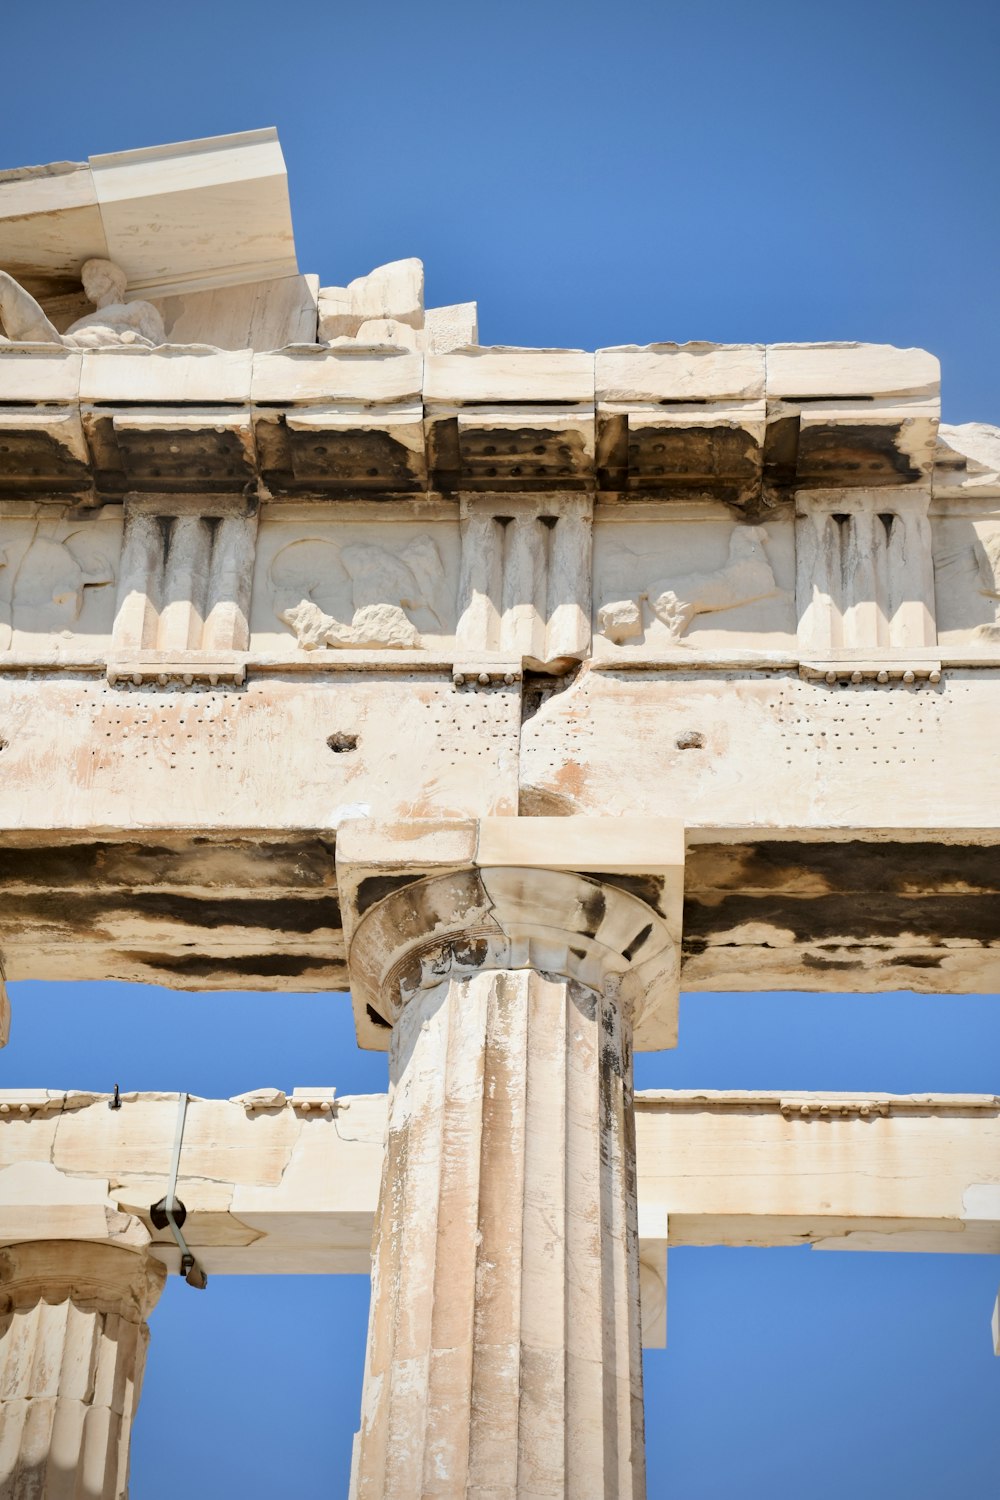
(597, 900)
(113, 1278)
(73, 1340)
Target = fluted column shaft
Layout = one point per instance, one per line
(504, 1351)
(73, 1343)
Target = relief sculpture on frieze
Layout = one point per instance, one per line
(967, 579)
(49, 571)
(361, 595)
(653, 581)
(746, 577)
(965, 535)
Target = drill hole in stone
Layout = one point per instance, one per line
(690, 739)
(341, 743)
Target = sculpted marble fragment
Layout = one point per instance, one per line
(967, 578)
(356, 595)
(386, 308)
(114, 320)
(676, 592)
(48, 572)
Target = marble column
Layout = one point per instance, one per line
(73, 1342)
(504, 1349)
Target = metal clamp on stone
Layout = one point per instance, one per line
(170, 1212)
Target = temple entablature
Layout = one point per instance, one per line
(383, 510)
(515, 690)
(321, 558)
(358, 482)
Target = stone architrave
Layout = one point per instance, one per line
(73, 1341)
(504, 1347)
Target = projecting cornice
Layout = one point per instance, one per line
(183, 217)
(743, 424)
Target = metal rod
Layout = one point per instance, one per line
(190, 1268)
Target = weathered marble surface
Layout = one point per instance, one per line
(509, 971)
(289, 1184)
(521, 420)
(277, 1183)
(504, 1340)
(57, 579)
(594, 900)
(882, 572)
(73, 1342)
(701, 579)
(112, 322)
(373, 582)
(513, 688)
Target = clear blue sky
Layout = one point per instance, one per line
(592, 175)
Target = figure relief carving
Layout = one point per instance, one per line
(967, 582)
(43, 585)
(113, 321)
(674, 600)
(358, 596)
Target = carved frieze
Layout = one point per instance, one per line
(850, 581)
(362, 583)
(701, 581)
(967, 576)
(57, 579)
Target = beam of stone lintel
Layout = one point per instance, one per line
(276, 1184)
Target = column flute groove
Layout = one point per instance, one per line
(504, 1357)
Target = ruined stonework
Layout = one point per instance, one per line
(514, 690)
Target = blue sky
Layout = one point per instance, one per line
(593, 175)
